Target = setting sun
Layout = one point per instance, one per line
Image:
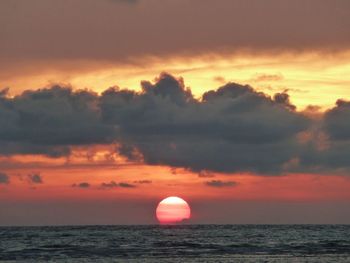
(172, 210)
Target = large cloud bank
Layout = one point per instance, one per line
(231, 129)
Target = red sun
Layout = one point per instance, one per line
(172, 210)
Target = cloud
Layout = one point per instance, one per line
(220, 79)
(143, 182)
(219, 183)
(127, 185)
(235, 25)
(230, 129)
(113, 184)
(336, 120)
(4, 178)
(283, 98)
(4, 92)
(267, 77)
(328, 143)
(162, 124)
(81, 185)
(35, 178)
(48, 121)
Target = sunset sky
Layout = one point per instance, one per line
(240, 107)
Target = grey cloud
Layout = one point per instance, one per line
(48, 121)
(4, 92)
(113, 184)
(35, 178)
(219, 183)
(328, 147)
(81, 185)
(4, 178)
(336, 120)
(231, 129)
(143, 182)
(283, 98)
(126, 185)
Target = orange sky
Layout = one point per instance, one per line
(155, 182)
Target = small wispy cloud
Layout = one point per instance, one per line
(35, 178)
(81, 185)
(143, 182)
(267, 77)
(127, 185)
(219, 183)
(113, 184)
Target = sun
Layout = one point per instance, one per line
(173, 210)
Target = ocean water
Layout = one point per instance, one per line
(186, 243)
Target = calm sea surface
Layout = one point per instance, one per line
(188, 243)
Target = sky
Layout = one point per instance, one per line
(241, 107)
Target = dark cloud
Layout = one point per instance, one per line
(328, 144)
(81, 185)
(35, 178)
(336, 120)
(219, 183)
(4, 92)
(231, 129)
(143, 182)
(129, 151)
(127, 185)
(113, 184)
(283, 98)
(47, 121)
(4, 178)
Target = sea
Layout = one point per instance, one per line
(176, 243)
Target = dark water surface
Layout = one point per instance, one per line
(188, 243)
